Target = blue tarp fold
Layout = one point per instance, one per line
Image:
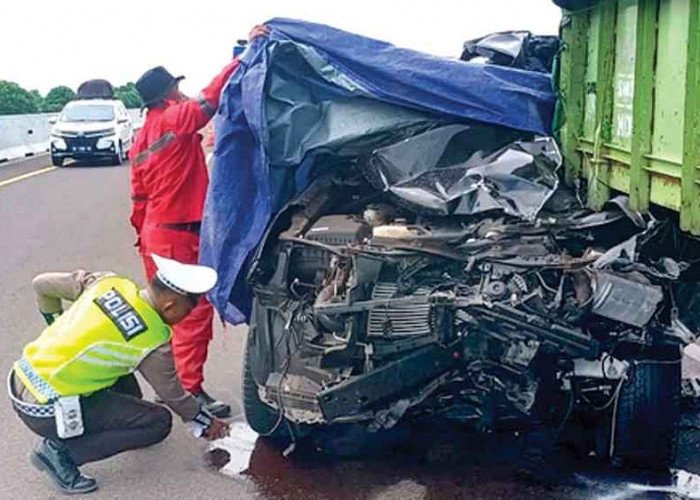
(309, 87)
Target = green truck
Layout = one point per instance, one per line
(630, 94)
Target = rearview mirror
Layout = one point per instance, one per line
(122, 120)
(53, 120)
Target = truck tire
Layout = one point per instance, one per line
(262, 419)
(56, 161)
(646, 421)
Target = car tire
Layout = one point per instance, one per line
(118, 157)
(56, 161)
(646, 420)
(125, 152)
(262, 419)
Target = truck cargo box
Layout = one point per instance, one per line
(630, 86)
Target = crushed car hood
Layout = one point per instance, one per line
(310, 90)
(466, 170)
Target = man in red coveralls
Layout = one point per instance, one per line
(168, 186)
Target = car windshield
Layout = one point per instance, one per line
(89, 113)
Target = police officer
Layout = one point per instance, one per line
(74, 385)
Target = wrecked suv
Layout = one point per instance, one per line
(400, 226)
(445, 271)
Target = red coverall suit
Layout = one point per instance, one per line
(168, 186)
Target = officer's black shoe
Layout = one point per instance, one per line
(215, 407)
(53, 458)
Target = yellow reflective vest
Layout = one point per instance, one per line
(104, 335)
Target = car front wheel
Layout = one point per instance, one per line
(118, 157)
(125, 151)
(56, 161)
(262, 419)
(645, 422)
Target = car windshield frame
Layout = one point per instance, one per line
(88, 113)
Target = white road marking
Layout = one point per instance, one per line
(26, 176)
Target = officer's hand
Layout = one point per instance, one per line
(50, 317)
(217, 430)
(257, 31)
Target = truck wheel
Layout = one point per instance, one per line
(262, 419)
(648, 410)
(56, 161)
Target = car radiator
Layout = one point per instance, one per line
(398, 320)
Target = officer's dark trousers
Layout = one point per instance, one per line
(115, 420)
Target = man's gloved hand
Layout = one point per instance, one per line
(217, 430)
(258, 31)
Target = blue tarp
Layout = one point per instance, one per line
(309, 87)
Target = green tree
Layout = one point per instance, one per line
(38, 99)
(14, 100)
(128, 95)
(57, 98)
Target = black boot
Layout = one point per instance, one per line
(53, 458)
(217, 408)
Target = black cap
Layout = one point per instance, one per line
(155, 84)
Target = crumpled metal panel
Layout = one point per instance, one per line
(468, 169)
(517, 49)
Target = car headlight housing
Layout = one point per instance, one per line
(58, 143)
(105, 142)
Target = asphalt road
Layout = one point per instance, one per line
(77, 217)
(23, 168)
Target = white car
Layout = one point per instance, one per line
(92, 129)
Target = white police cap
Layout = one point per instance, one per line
(184, 278)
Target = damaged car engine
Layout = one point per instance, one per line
(436, 276)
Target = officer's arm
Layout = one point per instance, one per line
(189, 116)
(52, 288)
(158, 368)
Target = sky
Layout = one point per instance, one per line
(44, 43)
